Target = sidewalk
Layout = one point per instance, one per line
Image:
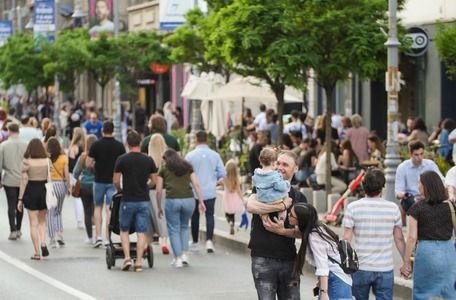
(239, 243)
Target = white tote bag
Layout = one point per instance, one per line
(51, 198)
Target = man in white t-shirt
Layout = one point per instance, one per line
(260, 120)
(375, 223)
(452, 139)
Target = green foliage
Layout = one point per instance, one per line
(20, 62)
(68, 57)
(445, 42)
(444, 167)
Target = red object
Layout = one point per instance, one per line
(332, 216)
(158, 69)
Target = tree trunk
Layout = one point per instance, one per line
(328, 138)
(279, 93)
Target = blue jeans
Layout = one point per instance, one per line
(434, 273)
(338, 289)
(134, 211)
(99, 192)
(275, 277)
(382, 284)
(209, 220)
(178, 212)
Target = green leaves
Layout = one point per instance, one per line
(445, 42)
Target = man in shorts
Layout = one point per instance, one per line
(139, 174)
(103, 155)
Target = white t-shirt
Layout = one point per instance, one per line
(452, 136)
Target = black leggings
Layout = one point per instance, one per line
(14, 216)
(87, 203)
(229, 218)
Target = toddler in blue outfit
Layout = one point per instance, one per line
(270, 185)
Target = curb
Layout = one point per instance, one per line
(402, 287)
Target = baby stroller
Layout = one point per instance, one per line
(114, 250)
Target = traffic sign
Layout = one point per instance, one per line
(419, 39)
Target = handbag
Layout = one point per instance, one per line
(76, 190)
(51, 198)
(453, 216)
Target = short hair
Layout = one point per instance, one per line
(415, 145)
(13, 127)
(295, 114)
(133, 139)
(373, 182)
(356, 119)
(267, 157)
(25, 120)
(201, 136)
(157, 124)
(433, 188)
(262, 107)
(108, 127)
(291, 154)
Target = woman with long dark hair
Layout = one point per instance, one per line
(32, 194)
(430, 223)
(61, 182)
(179, 177)
(318, 243)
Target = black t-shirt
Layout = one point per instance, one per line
(135, 168)
(267, 244)
(306, 160)
(105, 153)
(434, 221)
(321, 134)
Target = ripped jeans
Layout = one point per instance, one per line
(274, 277)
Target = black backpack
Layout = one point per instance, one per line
(348, 257)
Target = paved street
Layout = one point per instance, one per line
(78, 271)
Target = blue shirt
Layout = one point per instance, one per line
(208, 167)
(270, 186)
(93, 129)
(408, 175)
(445, 146)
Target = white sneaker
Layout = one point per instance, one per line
(209, 246)
(192, 246)
(89, 241)
(185, 260)
(177, 263)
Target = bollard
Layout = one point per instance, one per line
(319, 201)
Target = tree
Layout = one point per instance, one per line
(188, 45)
(347, 38)
(255, 39)
(137, 50)
(68, 57)
(446, 46)
(22, 63)
(103, 59)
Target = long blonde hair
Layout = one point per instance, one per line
(157, 146)
(78, 137)
(232, 181)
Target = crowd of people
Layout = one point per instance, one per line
(164, 192)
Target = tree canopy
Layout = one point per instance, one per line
(445, 41)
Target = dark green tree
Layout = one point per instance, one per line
(445, 41)
(22, 62)
(255, 38)
(68, 57)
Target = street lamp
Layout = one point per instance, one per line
(117, 90)
(392, 87)
(78, 14)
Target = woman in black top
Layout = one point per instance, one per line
(430, 222)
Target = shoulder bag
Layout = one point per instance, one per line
(51, 198)
(76, 190)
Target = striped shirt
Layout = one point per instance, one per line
(373, 221)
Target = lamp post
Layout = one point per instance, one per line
(392, 87)
(56, 77)
(117, 90)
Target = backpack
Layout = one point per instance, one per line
(348, 257)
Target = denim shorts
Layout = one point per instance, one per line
(134, 211)
(99, 192)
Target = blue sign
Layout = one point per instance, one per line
(44, 16)
(6, 30)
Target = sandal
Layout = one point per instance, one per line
(126, 265)
(35, 257)
(44, 250)
(138, 268)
